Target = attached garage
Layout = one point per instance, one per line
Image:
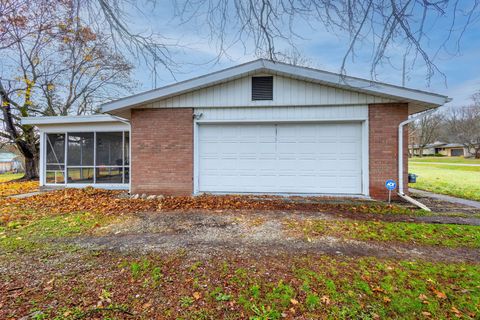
(457, 152)
(308, 158)
(261, 127)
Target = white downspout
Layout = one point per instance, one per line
(127, 122)
(401, 193)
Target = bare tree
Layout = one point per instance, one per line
(388, 27)
(398, 32)
(293, 57)
(52, 64)
(476, 98)
(118, 19)
(464, 127)
(425, 131)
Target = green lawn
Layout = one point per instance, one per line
(47, 274)
(5, 177)
(107, 285)
(445, 160)
(458, 181)
(448, 235)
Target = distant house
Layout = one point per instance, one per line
(10, 162)
(441, 148)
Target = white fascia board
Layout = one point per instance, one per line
(309, 74)
(70, 119)
(358, 84)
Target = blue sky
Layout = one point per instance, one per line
(324, 50)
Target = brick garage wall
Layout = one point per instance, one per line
(162, 151)
(383, 145)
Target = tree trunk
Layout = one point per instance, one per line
(420, 152)
(31, 168)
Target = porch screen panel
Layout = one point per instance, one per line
(80, 161)
(109, 157)
(55, 158)
(109, 149)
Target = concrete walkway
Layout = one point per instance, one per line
(448, 164)
(471, 203)
(25, 195)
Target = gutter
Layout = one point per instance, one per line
(126, 121)
(400, 192)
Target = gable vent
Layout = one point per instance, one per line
(262, 88)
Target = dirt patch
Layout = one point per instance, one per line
(204, 235)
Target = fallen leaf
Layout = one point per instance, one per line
(378, 289)
(456, 311)
(197, 295)
(439, 294)
(422, 297)
(293, 301)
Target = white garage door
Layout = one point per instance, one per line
(280, 158)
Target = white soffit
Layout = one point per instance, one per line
(424, 99)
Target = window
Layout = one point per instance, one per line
(262, 88)
(91, 157)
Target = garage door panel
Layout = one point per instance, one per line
(280, 158)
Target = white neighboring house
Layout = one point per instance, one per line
(10, 162)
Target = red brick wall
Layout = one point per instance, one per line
(162, 151)
(383, 145)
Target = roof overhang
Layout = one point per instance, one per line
(422, 100)
(97, 118)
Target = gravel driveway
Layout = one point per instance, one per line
(207, 234)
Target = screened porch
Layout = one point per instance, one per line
(87, 158)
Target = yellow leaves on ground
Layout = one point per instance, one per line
(17, 187)
(110, 202)
(71, 201)
(325, 300)
(197, 295)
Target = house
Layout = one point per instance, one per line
(259, 127)
(452, 150)
(441, 148)
(9, 162)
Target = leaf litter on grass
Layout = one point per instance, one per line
(109, 202)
